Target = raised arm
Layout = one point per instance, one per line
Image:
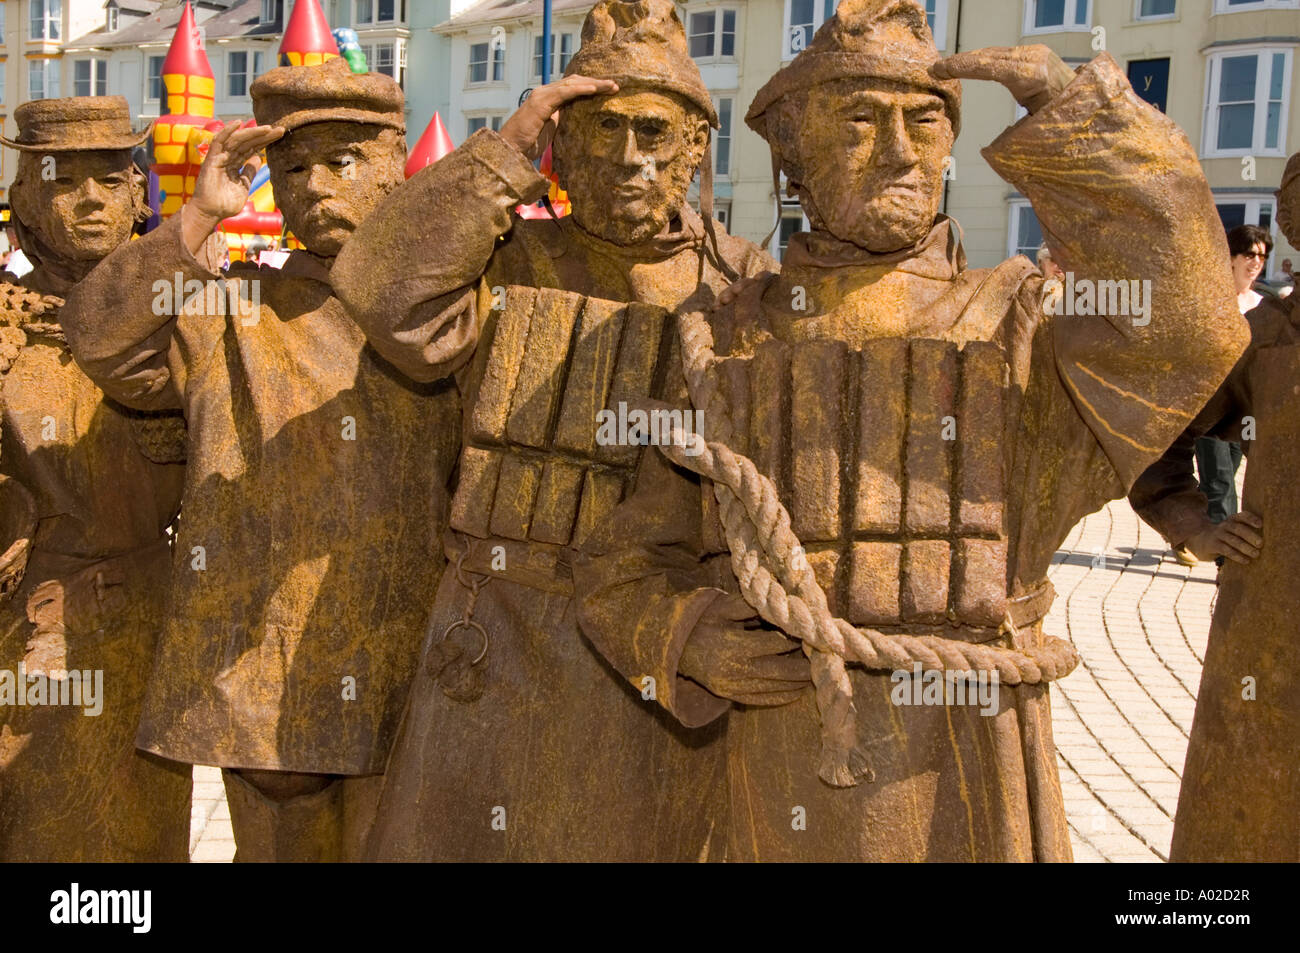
(1123, 203)
(407, 275)
(121, 320)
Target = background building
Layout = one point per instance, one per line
(1224, 70)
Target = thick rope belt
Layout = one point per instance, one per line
(777, 580)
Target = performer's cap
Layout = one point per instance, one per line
(866, 39)
(75, 124)
(640, 44)
(293, 96)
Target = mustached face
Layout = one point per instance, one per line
(627, 161)
(871, 159)
(82, 205)
(328, 176)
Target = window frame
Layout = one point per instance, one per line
(819, 17)
(47, 20)
(47, 65)
(111, 19)
(231, 73)
(1071, 24)
(1014, 245)
(559, 58)
(491, 121)
(1152, 17)
(1222, 6)
(149, 79)
(1209, 114)
(719, 15)
(940, 28)
(96, 82)
(730, 134)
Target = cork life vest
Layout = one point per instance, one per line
(550, 366)
(890, 458)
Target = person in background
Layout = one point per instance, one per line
(1217, 460)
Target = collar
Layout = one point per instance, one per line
(938, 255)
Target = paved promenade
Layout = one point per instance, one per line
(1139, 621)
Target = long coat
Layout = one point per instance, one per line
(73, 787)
(316, 482)
(552, 756)
(1240, 796)
(845, 405)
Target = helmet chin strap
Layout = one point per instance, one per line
(706, 210)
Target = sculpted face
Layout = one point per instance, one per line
(871, 159)
(627, 161)
(328, 176)
(81, 205)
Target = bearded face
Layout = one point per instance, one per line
(627, 161)
(80, 205)
(328, 176)
(871, 161)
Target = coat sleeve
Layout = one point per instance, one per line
(1121, 198)
(121, 319)
(407, 275)
(643, 582)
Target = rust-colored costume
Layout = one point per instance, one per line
(315, 486)
(1240, 796)
(582, 766)
(934, 436)
(73, 787)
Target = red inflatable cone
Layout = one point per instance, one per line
(307, 39)
(433, 145)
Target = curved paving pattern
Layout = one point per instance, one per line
(1140, 622)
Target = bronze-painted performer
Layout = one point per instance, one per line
(518, 742)
(933, 435)
(308, 543)
(104, 484)
(1240, 796)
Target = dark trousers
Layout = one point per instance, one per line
(1217, 462)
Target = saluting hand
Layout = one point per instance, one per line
(221, 189)
(1033, 74)
(533, 124)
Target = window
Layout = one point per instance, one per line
(237, 74)
(1246, 104)
(475, 123)
(713, 36)
(1232, 6)
(478, 63)
(723, 214)
(802, 18)
(1249, 210)
(377, 11)
(566, 54)
(1025, 235)
(42, 79)
(110, 19)
(1150, 80)
(270, 11)
(154, 92)
(936, 15)
(722, 137)
(1055, 16)
(46, 18)
(385, 60)
(792, 222)
(1155, 9)
(2, 86)
(90, 78)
